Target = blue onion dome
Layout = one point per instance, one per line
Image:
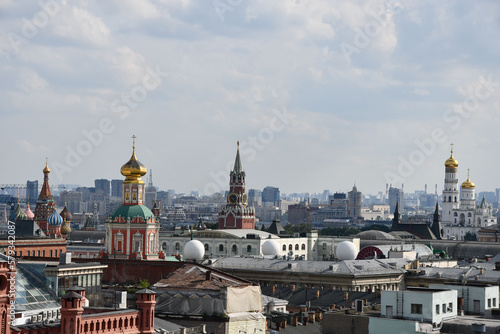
(55, 219)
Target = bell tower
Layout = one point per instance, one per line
(450, 191)
(236, 214)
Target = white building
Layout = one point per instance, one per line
(420, 304)
(476, 299)
(245, 242)
(459, 211)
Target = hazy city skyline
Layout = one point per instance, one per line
(320, 95)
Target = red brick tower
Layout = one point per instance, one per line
(236, 214)
(71, 312)
(45, 203)
(7, 292)
(146, 301)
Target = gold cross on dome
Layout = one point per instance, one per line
(451, 147)
(133, 138)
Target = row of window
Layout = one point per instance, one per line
(38, 253)
(235, 248)
(494, 300)
(443, 308)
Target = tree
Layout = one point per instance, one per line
(470, 236)
(143, 283)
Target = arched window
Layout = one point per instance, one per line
(469, 215)
(164, 246)
(221, 248)
(455, 198)
(177, 246)
(324, 246)
(455, 214)
(449, 198)
(290, 247)
(296, 246)
(284, 248)
(249, 248)
(303, 247)
(206, 247)
(235, 250)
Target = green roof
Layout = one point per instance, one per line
(131, 211)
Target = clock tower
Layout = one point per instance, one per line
(235, 214)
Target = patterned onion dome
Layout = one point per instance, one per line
(18, 214)
(65, 214)
(65, 229)
(55, 219)
(29, 213)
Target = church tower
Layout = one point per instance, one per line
(132, 231)
(450, 191)
(236, 214)
(45, 203)
(468, 195)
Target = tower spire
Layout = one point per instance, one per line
(237, 162)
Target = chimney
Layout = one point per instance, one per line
(208, 275)
(273, 289)
(65, 258)
(316, 294)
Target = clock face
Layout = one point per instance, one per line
(232, 198)
(244, 198)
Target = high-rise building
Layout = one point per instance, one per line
(150, 196)
(102, 185)
(271, 196)
(236, 214)
(32, 191)
(396, 196)
(116, 188)
(254, 197)
(354, 198)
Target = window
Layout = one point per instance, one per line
(206, 247)
(296, 246)
(437, 309)
(177, 246)
(249, 248)
(416, 308)
(290, 247)
(284, 247)
(221, 248)
(450, 307)
(28, 253)
(303, 247)
(489, 302)
(494, 302)
(164, 246)
(455, 214)
(235, 250)
(324, 246)
(444, 308)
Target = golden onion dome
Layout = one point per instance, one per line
(46, 169)
(133, 169)
(65, 228)
(451, 162)
(468, 184)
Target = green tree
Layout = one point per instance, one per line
(143, 283)
(470, 236)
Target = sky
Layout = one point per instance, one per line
(320, 94)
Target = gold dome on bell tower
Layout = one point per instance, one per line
(133, 169)
(451, 162)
